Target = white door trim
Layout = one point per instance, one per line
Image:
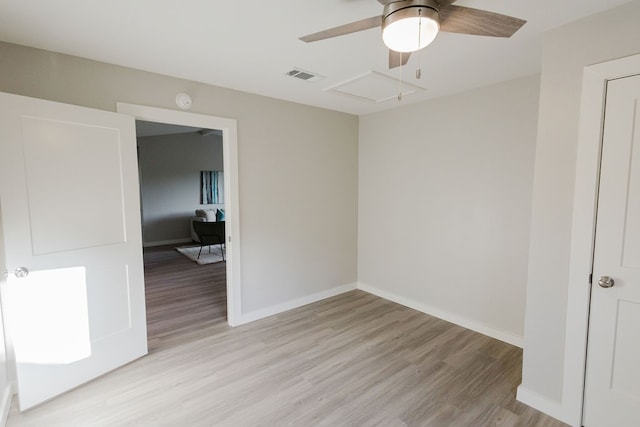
(232, 192)
(594, 86)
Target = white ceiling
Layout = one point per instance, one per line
(250, 45)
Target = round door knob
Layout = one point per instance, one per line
(21, 272)
(606, 282)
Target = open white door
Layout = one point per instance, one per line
(612, 392)
(70, 208)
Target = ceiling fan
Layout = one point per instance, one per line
(410, 25)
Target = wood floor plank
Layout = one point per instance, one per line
(351, 360)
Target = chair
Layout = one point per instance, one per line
(210, 233)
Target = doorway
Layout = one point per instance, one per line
(228, 129)
(581, 273)
(185, 282)
(612, 387)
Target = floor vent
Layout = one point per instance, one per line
(303, 75)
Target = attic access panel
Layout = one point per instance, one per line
(374, 87)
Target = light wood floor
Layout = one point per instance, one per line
(351, 360)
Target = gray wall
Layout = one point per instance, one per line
(298, 167)
(567, 50)
(170, 168)
(445, 202)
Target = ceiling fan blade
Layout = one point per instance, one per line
(352, 27)
(466, 20)
(397, 58)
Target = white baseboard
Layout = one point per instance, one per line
(543, 404)
(444, 315)
(279, 308)
(166, 242)
(5, 404)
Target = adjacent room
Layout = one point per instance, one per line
(221, 214)
(181, 182)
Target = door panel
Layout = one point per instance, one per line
(69, 190)
(631, 248)
(112, 297)
(625, 373)
(612, 391)
(89, 211)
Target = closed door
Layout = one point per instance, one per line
(75, 293)
(612, 389)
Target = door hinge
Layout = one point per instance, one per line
(591, 278)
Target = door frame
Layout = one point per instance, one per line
(585, 203)
(232, 191)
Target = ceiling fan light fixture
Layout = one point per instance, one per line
(409, 28)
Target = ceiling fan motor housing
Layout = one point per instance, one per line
(397, 11)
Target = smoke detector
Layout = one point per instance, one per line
(183, 101)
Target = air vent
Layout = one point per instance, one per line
(304, 75)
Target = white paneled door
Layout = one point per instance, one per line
(612, 393)
(70, 207)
